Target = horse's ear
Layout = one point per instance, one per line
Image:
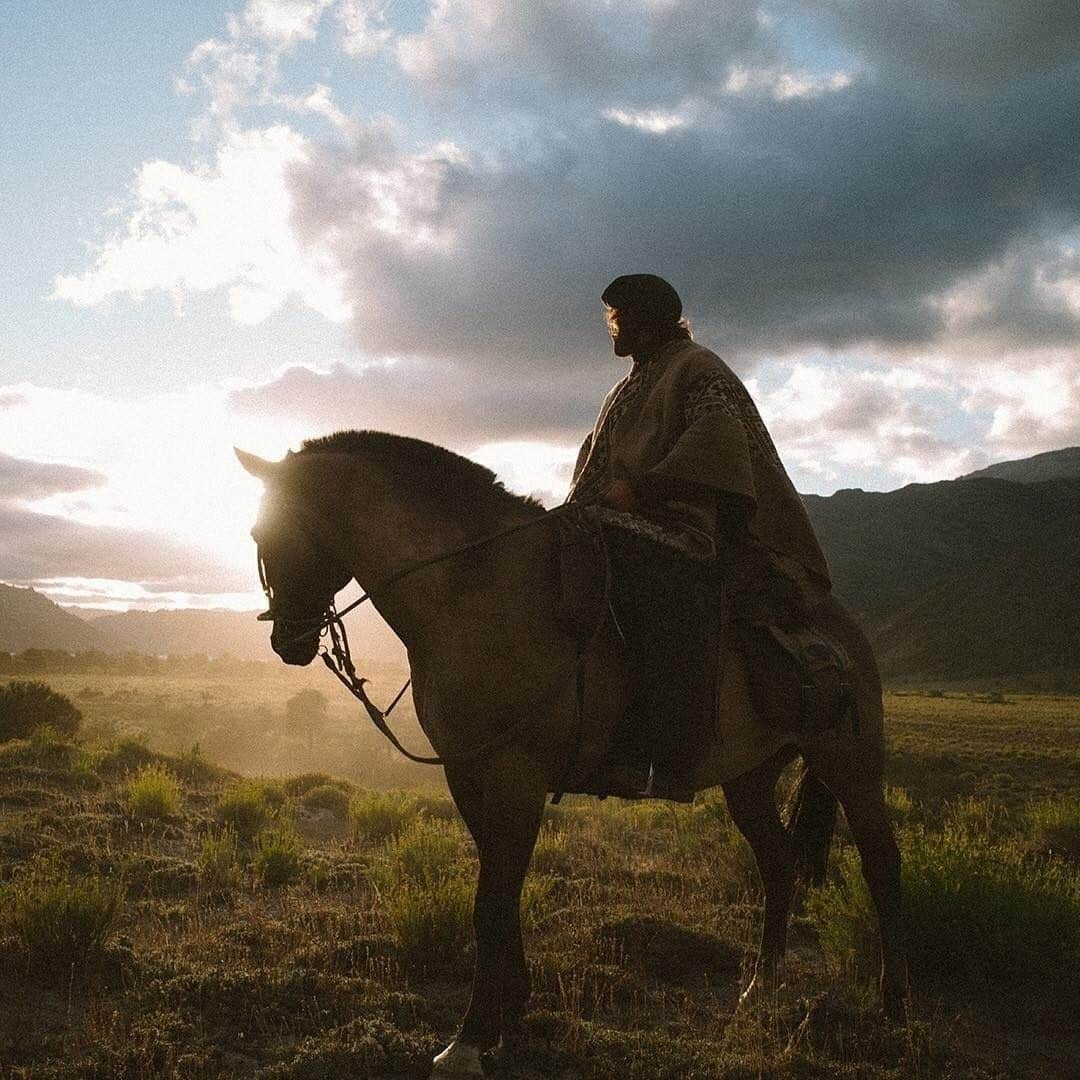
(257, 466)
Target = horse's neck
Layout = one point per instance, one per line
(402, 535)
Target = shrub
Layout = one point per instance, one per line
(125, 755)
(25, 706)
(424, 854)
(432, 922)
(243, 808)
(57, 919)
(327, 797)
(153, 794)
(273, 793)
(193, 765)
(277, 856)
(299, 785)
(976, 911)
(219, 860)
(376, 816)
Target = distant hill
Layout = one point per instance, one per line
(187, 632)
(1054, 465)
(977, 578)
(29, 620)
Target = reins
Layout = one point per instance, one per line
(338, 657)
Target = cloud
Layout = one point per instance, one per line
(364, 27)
(832, 421)
(42, 546)
(435, 400)
(284, 22)
(879, 201)
(166, 480)
(963, 44)
(10, 399)
(29, 480)
(527, 54)
(1033, 400)
(824, 220)
(221, 225)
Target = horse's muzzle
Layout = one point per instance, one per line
(296, 649)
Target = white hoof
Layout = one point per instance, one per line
(457, 1061)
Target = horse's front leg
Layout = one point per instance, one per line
(503, 814)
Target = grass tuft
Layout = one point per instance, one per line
(424, 854)
(327, 797)
(432, 921)
(219, 860)
(376, 815)
(153, 794)
(1053, 827)
(58, 919)
(243, 808)
(978, 912)
(277, 856)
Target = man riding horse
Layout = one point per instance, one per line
(695, 503)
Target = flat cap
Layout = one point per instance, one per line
(645, 294)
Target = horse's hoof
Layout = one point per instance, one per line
(506, 1053)
(894, 1005)
(457, 1062)
(762, 989)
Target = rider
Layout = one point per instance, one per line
(687, 483)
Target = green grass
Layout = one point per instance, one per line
(244, 809)
(303, 951)
(153, 794)
(276, 859)
(58, 919)
(1053, 826)
(432, 921)
(981, 914)
(220, 861)
(379, 815)
(327, 797)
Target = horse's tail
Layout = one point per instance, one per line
(810, 817)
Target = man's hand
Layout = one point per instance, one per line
(620, 496)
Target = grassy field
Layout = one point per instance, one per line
(161, 916)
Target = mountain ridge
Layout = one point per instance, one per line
(976, 578)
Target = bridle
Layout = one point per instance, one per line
(329, 624)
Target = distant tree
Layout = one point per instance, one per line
(25, 706)
(306, 712)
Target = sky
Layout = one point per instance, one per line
(227, 223)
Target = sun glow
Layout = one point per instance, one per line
(170, 472)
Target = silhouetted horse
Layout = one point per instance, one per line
(494, 667)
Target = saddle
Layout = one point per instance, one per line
(796, 670)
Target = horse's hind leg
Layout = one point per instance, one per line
(860, 793)
(751, 800)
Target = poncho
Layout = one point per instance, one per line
(684, 416)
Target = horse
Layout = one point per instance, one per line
(467, 574)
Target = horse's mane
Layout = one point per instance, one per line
(431, 472)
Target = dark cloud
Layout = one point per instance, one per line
(961, 42)
(41, 546)
(828, 219)
(443, 402)
(24, 479)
